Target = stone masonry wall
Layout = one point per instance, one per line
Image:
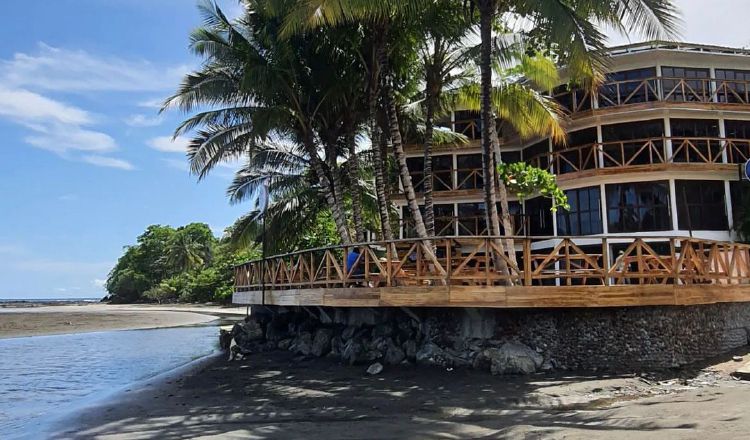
(502, 340)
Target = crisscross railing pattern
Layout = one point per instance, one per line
(476, 261)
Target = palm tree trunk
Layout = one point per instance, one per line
(359, 231)
(503, 196)
(334, 203)
(487, 11)
(429, 210)
(381, 185)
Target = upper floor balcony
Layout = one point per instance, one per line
(654, 89)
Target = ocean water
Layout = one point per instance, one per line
(43, 378)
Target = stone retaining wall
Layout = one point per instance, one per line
(502, 340)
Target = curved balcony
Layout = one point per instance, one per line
(655, 89)
(473, 272)
(651, 153)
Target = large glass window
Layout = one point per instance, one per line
(629, 87)
(572, 99)
(739, 190)
(469, 171)
(510, 156)
(701, 205)
(732, 85)
(694, 140)
(539, 214)
(685, 84)
(584, 216)
(738, 143)
(640, 206)
(634, 143)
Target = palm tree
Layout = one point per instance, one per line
(186, 253)
(263, 85)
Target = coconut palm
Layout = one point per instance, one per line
(186, 252)
(258, 84)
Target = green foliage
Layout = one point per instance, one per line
(184, 264)
(528, 181)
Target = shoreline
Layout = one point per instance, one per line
(39, 320)
(280, 395)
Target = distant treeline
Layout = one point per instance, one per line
(186, 264)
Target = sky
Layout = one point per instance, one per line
(87, 162)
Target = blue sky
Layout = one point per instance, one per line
(87, 162)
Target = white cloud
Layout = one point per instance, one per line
(169, 145)
(58, 69)
(155, 103)
(97, 282)
(56, 126)
(27, 107)
(140, 120)
(109, 162)
(68, 197)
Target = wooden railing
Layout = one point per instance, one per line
(651, 151)
(636, 91)
(472, 261)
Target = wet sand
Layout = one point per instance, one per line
(52, 320)
(278, 396)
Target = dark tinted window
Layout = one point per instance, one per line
(584, 216)
(538, 211)
(701, 205)
(732, 85)
(535, 154)
(628, 87)
(685, 84)
(641, 206)
(471, 219)
(469, 172)
(687, 145)
(647, 145)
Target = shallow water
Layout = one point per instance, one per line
(42, 378)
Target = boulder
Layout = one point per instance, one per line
(513, 358)
(348, 333)
(410, 349)
(303, 344)
(284, 344)
(251, 330)
(321, 344)
(375, 368)
(393, 355)
(353, 351)
(430, 354)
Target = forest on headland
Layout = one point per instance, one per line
(319, 99)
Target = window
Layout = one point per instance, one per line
(469, 123)
(539, 213)
(629, 87)
(584, 216)
(731, 85)
(642, 133)
(701, 205)
(571, 99)
(536, 154)
(444, 219)
(685, 146)
(471, 219)
(510, 156)
(469, 171)
(517, 219)
(635, 207)
(684, 84)
(738, 145)
(739, 190)
(583, 160)
(442, 172)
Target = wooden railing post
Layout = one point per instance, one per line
(605, 261)
(526, 262)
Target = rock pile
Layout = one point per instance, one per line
(377, 338)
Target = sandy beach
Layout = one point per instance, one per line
(278, 396)
(64, 319)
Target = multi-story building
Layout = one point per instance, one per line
(656, 151)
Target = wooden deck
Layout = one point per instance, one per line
(472, 272)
